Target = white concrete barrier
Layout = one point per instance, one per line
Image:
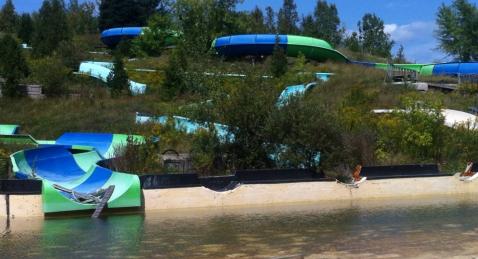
(269, 194)
(26, 206)
(3, 206)
(272, 194)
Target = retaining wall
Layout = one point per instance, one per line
(267, 194)
(270, 194)
(3, 205)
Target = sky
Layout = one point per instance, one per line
(410, 23)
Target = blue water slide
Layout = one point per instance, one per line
(187, 125)
(54, 163)
(100, 141)
(249, 44)
(111, 37)
(456, 69)
(293, 90)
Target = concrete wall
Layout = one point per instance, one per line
(3, 206)
(26, 206)
(269, 194)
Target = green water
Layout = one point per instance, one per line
(432, 228)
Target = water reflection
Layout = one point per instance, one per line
(438, 227)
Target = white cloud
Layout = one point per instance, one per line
(411, 31)
(417, 38)
(390, 28)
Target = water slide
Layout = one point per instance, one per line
(319, 50)
(312, 48)
(263, 45)
(101, 70)
(71, 162)
(442, 69)
(112, 37)
(452, 118)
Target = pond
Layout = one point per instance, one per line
(436, 227)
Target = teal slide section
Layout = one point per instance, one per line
(71, 162)
(101, 70)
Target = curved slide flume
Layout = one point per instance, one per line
(320, 50)
(71, 162)
(263, 44)
(101, 70)
(312, 48)
(112, 37)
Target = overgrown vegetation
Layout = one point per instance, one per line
(333, 121)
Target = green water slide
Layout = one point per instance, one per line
(69, 170)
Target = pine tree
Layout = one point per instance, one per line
(327, 23)
(353, 42)
(13, 66)
(81, 17)
(174, 82)
(123, 13)
(25, 28)
(308, 26)
(270, 20)
(373, 38)
(279, 64)
(288, 18)
(118, 78)
(8, 17)
(257, 21)
(400, 56)
(51, 28)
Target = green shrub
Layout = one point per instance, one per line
(52, 74)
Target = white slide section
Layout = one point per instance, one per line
(101, 70)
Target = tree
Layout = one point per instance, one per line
(373, 38)
(81, 17)
(308, 26)
(458, 30)
(352, 42)
(201, 21)
(52, 75)
(288, 18)
(257, 21)
(25, 28)
(278, 60)
(174, 81)
(51, 28)
(156, 36)
(303, 130)
(400, 56)
(8, 17)
(270, 20)
(327, 23)
(123, 13)
(118, 78)
(13, 66)
(417, 132)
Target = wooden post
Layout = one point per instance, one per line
(7, 204)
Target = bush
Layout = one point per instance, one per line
(207, 153)
(118, 79)
(71, 53)
(279, 61)
(4, 164)
(13, 66)
(155, 37)
(303, 131)
(53, 75)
